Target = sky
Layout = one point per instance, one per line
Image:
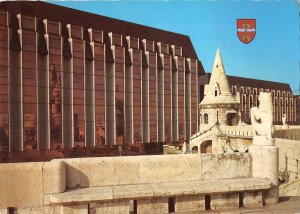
(273, 54)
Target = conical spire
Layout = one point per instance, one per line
(218, 63)
(218, 90)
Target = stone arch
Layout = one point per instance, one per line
(194, 150)
(206, 146)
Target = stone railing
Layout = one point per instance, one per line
(240, 131)
(140, 184)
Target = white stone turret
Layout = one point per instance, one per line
(218, 90)
(218, 104)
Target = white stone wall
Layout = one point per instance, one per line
(26, 185)
(289, 157)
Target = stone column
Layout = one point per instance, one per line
(265, 160)
(265, 155)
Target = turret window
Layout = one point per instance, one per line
(217, 66)
(205, 118)
(216, 93)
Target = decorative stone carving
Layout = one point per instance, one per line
(284, 119)
(262, 121)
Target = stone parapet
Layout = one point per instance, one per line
(141, 183)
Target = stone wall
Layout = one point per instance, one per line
(26, 185)
(291, 133)
(289, 156)
(290, 189)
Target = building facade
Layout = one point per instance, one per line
(70, 78)
(284, 101)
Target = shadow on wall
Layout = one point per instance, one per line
(76, 178)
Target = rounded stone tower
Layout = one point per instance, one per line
(218, 105)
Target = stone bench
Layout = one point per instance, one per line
(186, 196)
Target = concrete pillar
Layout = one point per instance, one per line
(145, 99)
(187, 98)
(110, 110)
(15, 88)
(265, 160)
(67, 101)
(89, 90)
(160, 102)
(129, 100)
(175, 99)
(43, 111)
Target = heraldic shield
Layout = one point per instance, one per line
(246, 29)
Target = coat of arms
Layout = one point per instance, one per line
(246, 29)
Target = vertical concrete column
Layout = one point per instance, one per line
(265, 162)
(174, 99)
(67, 96)
(43, 112)
(89, 90)
(129, 97)
(89, 103)
(110, 112)
(187, 102)
(160, 99)
(15, 86)
(198, 96)
(145, 98)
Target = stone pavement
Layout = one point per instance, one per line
(287, 205)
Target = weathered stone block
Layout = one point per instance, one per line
(217, 166)
(116, 207)
(155, 206)
(75, 209)
(21, 184)
(188, 170)
(265, 165)
(73, 172)
(54, 176)
(224, 201)
(190, 203)
(252, 199)
(39, 210)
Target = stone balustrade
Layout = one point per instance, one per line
(141, 184)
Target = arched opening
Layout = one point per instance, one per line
(205, 118)
(206, 146)
(195, 150)
(231, 118)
